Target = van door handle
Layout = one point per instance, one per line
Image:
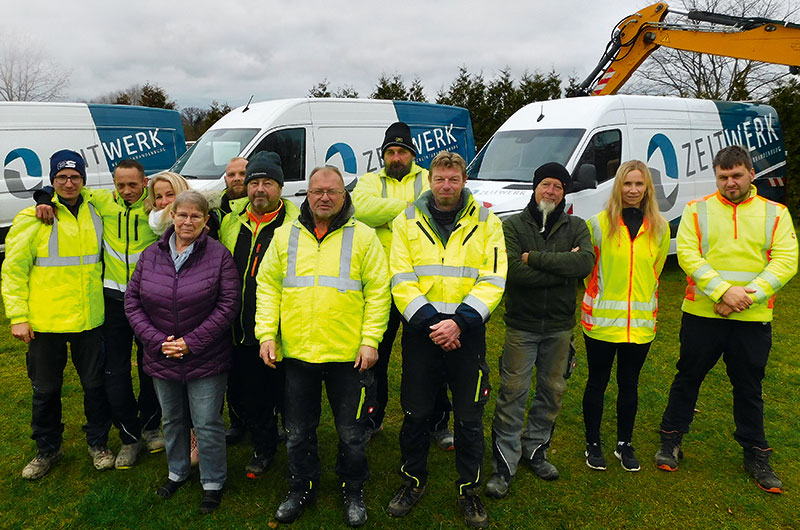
(301, 193)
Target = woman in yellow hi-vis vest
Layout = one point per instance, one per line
(631, 241)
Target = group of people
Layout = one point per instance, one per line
(252, 294)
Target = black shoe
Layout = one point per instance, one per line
(234, 434)
(355, 511)
(257, 465)
(168, 489)
(756, 462)
(404, 499)
(626, 456)
(594, 456)
(211, 501)
(474, 512)
(540, 466)
(291, 508)
(670, 451)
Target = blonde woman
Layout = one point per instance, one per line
(631, 241)
(161, 192)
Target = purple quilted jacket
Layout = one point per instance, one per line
(198, 303)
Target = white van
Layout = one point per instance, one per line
(103, 134)
(309, 132)
(591, 136)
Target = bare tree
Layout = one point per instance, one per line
(27, 74)
(688, 74)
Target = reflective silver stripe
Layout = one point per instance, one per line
(401, 277)
(414, 306)
(497, 281)
(341, 282)
(738, 276)
(622, 305)
(55, 260)
(598, 231)
(298, 281)
(769, 226)
(111, 284)
(411, 212)
(477, 305)
(449, 271)
(418, 185)
(384, 193)
(132, 258)
(619, 322)
(483, 214)
(771, 279)
(444, 307)
(702, 271)
(713, 284)
(702, 223)
(291, 280)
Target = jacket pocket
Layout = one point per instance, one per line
(571, 362)
(367, 400)
(483, 387)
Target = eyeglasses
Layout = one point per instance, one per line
(62, 179)
(329, 193)
(193, 218)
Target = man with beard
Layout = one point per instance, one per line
(378, 198)
(235, 188)
(549, 252)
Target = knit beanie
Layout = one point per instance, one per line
(398, 134)
(66, 159)
(552, 170)
(264, 164)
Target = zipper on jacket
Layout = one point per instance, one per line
(630, 289)
(127, 243)
(468, 235)
(136, 227)
(119, 225)
(495, 259)
(425, 232)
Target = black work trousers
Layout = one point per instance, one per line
(348, 394)
(46, 360)
(744, 346)
(130, 415)
(441, 412)
(600, 359)
(425, 368)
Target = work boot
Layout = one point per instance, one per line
(444, 439)
(294, 505)
(756, 462)
(257, 465)
(154, 440)
(594, 456)
(670, 451)
(210, 501)
(474, 512)
(540, 466)
(404, 499)
(102, 457)
(626, 456)
(498, 485)
(41, 464)
(355, 510)
(126, 458)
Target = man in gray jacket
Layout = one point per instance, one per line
(549, 252)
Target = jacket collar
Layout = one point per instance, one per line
(412, 172)
(753, 193)
(306, 217)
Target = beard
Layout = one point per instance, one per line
(546, 207)
(397, 170)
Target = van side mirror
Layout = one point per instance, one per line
(585, 178)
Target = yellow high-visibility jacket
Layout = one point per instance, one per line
(722, 244)
(325, 299)
(469, 268)
(52, 275)
(379, 198)
(621, 298)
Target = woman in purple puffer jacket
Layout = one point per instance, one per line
(180, 302)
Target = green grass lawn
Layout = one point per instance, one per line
(710, 490)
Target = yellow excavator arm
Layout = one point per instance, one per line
(640, 34)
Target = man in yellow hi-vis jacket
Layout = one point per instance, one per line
(323, 292)
(737, 249)
(53, 294)
(448, 265)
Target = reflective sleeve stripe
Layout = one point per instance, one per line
(769, 229)
(418, 185)
(384, 192)
(401, 277)
(111, 284)
(497, 281)
(597, 231)
(702, 225)
(414, 306)
(702, 271)
(411, 212)
(598, 236)
(133, 258)
(483, 214)
(343, 282)
(54, 259)
(476, 304)
(449, 271)
(446, 308)
(738, 276)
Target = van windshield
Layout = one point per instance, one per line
(514, 155)
(207, 158)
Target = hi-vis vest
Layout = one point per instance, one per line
(469, 268)
(52, 275)
(722, 244)
(379, 198)
(621, 298)
(328, 297)
(126, 233)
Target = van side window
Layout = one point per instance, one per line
(604, 152)
(290, 144)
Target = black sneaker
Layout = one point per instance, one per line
(404, 499)
(594, 456)
(474, 512)
(257, 465)
(355, 510)
(670, 451)
(627, 458)
(211, 501)
(756, 462)
(294, 505)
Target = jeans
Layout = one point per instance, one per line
(197, 402)
(426, 367)
(744, 346)
(600, 358)
(46, 360)
(347, 389)
(551, 354)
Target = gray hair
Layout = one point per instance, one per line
(191, 197)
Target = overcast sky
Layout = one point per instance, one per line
(226, 51)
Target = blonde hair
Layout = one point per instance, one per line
(649, 206)
(448, 160)
(177, 182)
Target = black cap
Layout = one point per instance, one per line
(264, 164)
(552, 170)
(398, 134)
